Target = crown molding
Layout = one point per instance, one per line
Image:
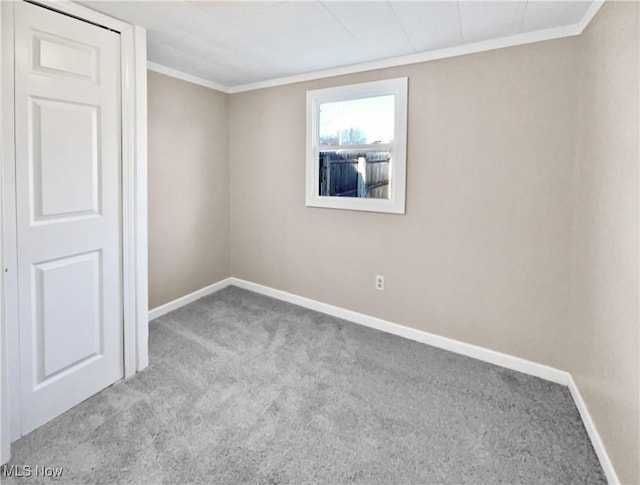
(588, 16)
(461, 50)
(168, 71)
(449, 52)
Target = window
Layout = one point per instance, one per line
(356, 146)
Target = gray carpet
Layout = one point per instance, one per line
(247, 389)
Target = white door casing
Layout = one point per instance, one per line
(133, 83)
(68, 210)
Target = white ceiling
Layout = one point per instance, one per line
(237, 43)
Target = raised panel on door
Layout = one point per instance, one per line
(59, 55)
(68, 210)
(67, 300)
(65, 159)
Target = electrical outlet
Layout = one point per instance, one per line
(380, 282)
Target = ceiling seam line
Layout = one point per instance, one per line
(524, 16)
(460, 21)
(404, 31)
(340, 22)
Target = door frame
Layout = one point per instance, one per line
(133, 60)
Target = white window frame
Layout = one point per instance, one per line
(395, 204)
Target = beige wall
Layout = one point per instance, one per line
(521, 231)
(482, 252)
(606, 334)
(188, 188)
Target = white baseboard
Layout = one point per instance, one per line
(592, 431)
(469, 350)
(462, 348)
(185, 300)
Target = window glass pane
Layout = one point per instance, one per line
(354, 173)
(358, 121)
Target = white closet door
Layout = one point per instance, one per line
(68, 184)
